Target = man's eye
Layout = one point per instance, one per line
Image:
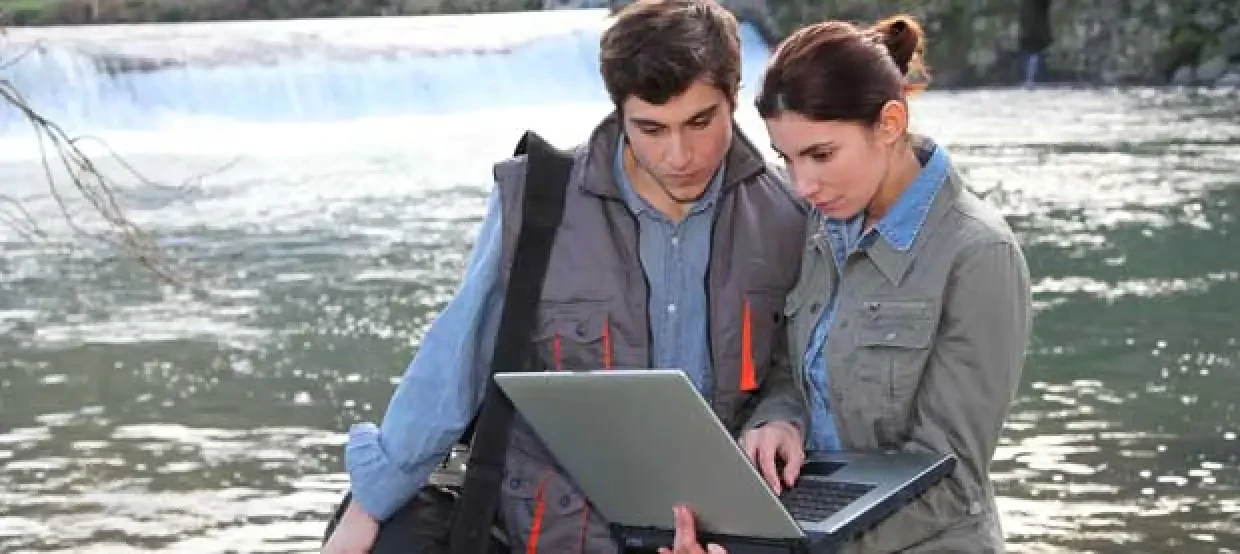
(700, 124)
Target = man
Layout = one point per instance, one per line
(677, 247)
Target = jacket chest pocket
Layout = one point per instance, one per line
(893, 346)
(573, 336)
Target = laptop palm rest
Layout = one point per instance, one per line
(821, 468)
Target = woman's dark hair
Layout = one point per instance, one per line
(836, 71)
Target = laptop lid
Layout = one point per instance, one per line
(640, 441)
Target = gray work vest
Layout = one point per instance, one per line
(593, 310)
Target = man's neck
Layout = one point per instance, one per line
(649, 189)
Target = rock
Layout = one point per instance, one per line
(573, 4)
(1209, 20)
(1183, 76)
(1101, 41)
(1212, 70)
(1229, 42)
(1231, 79)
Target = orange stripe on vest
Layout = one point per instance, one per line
(555, 346)
(607, 343)
(749, 379)
(540, 506)
(585, 526)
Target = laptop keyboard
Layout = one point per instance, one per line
(816, 500)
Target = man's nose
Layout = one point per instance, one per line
(679, 154)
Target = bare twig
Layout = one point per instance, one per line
(24, 223)
(189, 183)
(91, 184)
(37, 45)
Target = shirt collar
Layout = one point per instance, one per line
(900, 226)
(907, 215)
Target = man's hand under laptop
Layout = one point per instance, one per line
(773, 443)
(686, 536)
(769, 446)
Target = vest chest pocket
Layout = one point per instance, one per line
(573, 337)
(893, 340)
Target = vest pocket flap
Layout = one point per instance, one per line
(902, 333)
(767, 304)
(577, 324)
(563, 498)
(521, 484)
(527, 478)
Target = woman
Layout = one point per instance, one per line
(912, 312)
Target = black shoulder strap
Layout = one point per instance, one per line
(542, 209)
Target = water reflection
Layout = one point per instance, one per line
(137, 417)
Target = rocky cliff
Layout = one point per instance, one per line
(1093, 41)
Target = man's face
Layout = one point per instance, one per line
(681, 143)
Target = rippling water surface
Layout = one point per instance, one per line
(135, 416)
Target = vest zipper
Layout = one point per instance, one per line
(637, 228)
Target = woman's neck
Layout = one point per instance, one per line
(903, 171)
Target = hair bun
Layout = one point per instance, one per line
(903, 37)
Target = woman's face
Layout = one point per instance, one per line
(838, 166)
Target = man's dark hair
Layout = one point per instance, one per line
(656, 49)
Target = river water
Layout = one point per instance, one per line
(327, 204)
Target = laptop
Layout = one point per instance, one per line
(638, 441)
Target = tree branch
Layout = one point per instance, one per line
(91, 184)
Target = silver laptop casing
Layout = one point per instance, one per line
(639, 441)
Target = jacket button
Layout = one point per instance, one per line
(564, 500)
(813, 308)
(581, 329)
(514, 483)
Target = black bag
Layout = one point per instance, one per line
(461, 518)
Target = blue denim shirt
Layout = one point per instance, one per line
(443, 386)
(675, 256)
(899, 227)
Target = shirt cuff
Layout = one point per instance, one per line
(379, 486)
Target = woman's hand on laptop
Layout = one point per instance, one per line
(685, 541)
(776, 440)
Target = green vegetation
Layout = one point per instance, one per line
(62, 12)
